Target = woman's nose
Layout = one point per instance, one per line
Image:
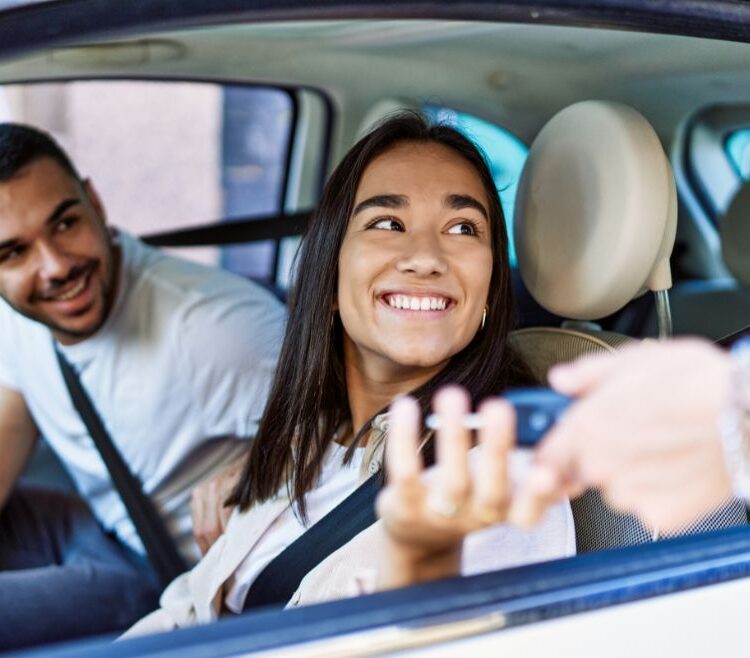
(423, 256)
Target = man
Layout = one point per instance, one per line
(171, 353)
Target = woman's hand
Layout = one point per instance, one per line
(645, 431)
(427, 515)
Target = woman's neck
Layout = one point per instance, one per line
(373, 383)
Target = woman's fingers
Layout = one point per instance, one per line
(403, 461)
(401, 500)
(496, 439)
(457, 499)
(453, 442)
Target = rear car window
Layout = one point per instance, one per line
(738, 151)
(505, 153)
(167, 154)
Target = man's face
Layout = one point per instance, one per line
(57, 262)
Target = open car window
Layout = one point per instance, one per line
(247, 163)
(738, 150)
(172, 154)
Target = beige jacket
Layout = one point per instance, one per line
(196, 597)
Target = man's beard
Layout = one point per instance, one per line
(76, 334)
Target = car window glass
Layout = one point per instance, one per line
(167, 155)
(505, 153)
(738, 150)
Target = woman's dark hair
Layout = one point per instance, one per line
(308, 400)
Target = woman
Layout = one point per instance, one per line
(404, 287)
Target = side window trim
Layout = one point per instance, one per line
(307, 166)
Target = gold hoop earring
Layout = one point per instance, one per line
(484, 318)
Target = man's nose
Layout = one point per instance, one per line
(423, 256)
(53, 263)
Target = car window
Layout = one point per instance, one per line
(738, 150)
(669, 78)
(167, 154)
(505, 153)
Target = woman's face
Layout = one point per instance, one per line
(416, 259)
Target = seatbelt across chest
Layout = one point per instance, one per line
(159, 545)
(276, 584)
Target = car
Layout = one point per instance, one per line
(211, 126)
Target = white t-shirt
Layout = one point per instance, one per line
(186, 353)
(336, 482)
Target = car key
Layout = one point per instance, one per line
(537, 410)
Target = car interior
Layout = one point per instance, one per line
(624, 183)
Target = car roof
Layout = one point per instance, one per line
(492, 69)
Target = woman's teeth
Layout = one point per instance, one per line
(73, 292)
(417, 303)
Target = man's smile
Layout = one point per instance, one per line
(74, 295)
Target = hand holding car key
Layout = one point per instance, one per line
(537, 409)
(426, 515)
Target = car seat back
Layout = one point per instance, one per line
(594, 226)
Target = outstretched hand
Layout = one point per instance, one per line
(644, 430)
(426, 515)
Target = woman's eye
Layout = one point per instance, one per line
(463, 228)
(387, 224)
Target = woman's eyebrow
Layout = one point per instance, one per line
(382, 201)
(460, 201)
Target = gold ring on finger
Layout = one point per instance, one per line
(488, 515)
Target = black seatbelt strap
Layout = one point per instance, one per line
(159, 545)
(282, 576)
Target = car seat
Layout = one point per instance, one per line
(594, 227)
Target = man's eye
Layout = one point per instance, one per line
(464, 228)
(65, 224)
(387, 224)
(10, 254)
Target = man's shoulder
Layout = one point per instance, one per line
(175, 281)
(25, 348)
(199, 310)
(13, 323)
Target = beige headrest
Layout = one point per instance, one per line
(735, 236)
(596, 211)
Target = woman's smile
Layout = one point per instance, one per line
(416, 260)
(423, 305)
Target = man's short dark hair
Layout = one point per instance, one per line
(21, 145)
